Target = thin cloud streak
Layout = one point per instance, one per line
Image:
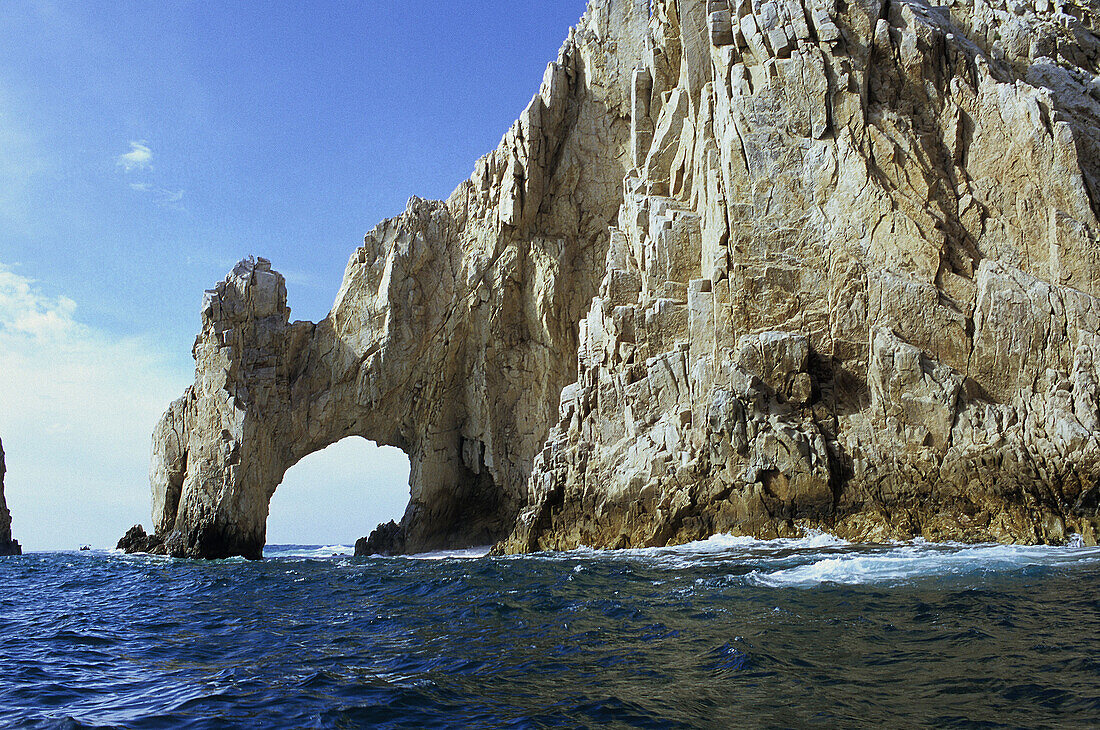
(163, 196)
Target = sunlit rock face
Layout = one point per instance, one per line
(852, 285)
(8, 546)
(745, 267)
(451, 338)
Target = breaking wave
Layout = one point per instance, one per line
(820, 559)
(308, 551)
(816, 559)
(913, 561)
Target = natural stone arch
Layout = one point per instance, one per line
(451, 338)
(853, 286)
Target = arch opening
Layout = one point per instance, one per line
(338, 494)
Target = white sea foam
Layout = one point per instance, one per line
(309, 551)
(731, 549)
(467, 554)
(722, 543)
(911, 561)
(819, 558)
(813, 560)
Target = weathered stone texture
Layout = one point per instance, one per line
(8, 546)
(850, 283)
(451, 337)
(890, 310)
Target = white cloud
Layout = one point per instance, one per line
(77, 406)
(23, 311)
(140, 157)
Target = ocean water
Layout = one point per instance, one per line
(724, 633)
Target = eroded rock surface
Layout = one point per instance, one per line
(834, 265)
(8, 546)
(451, 338)
(852, 286)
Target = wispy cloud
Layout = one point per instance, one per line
(163, 196)
(140, 157)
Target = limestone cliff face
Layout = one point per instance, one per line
(834, 265)
(451, 338)
(8, 546)
(852, 285)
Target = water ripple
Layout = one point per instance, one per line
(727, 632)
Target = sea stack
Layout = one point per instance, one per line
(750, 267)
(8, 546)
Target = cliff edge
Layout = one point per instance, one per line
(747, 267)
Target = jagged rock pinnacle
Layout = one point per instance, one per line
(8, 546)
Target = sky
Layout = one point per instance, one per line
(145, 147)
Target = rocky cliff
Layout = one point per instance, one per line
(746, 267)
(451, 337)
(852, 284)
(8, 546)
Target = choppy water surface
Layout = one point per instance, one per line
(729, 632)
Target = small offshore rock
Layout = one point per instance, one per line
(386, 539)
(8, 546)
(137, 541)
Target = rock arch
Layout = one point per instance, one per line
(851, 285)
(451, 337)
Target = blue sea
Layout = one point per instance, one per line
(725, 633)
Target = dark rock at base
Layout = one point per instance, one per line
(137, 541)
(387, 539)
(8, 546)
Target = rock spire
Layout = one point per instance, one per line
(8, 546)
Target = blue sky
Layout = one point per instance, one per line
(147, 146)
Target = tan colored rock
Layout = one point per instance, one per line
(897, 328)
(827, 265)
(8, 546)
(451, 338)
